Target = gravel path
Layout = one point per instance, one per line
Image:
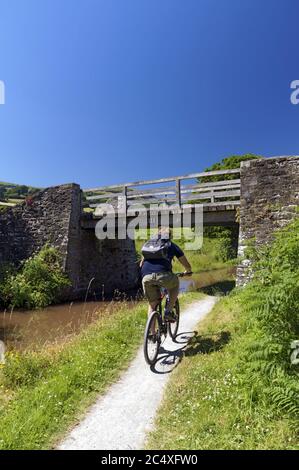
(122, 418)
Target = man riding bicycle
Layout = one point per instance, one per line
(156, 270)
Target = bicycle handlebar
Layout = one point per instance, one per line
(184, 274)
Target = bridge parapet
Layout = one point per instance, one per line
(211, 189)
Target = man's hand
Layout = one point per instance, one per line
(184, 262)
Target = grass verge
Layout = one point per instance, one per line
(44, 393)
(238, 387)
(51, 390)
(207, 406)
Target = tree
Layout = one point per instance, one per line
(227, 236)
(227, 163)
(2, 193)
(22, 190)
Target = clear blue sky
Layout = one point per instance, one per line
(107, 91)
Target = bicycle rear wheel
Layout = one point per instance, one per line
(174, 326)
(152, 338)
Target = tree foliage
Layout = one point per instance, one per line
(228, 163)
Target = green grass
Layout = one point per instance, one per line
(206, 259)
(10, 202)
(236, 387)
(206, 405)
(43, 393)
(4, 183)
(50, 390)
(14, 193)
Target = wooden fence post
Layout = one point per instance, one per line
(125, 196)
(178, 191)
(122, 202)
(212, 196)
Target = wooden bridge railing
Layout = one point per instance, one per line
(173, 190)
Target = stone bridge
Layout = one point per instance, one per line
(263, 195)
(216, 192)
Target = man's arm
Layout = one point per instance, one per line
(184, 262)
(141, 262)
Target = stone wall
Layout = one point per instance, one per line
(269, 198)
(45, 218)
(53, 216)
(112, 264)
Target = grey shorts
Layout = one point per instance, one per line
(152, 284)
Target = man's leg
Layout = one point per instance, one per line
(171, 282)
(173, 295)
(152, 292)
(152, 307)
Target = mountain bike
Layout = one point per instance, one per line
(158, 325)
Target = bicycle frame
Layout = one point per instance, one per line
(161, 310)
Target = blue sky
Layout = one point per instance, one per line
(107, 91)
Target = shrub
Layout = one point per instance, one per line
(272, 301)
(37, 283)
(225, 240)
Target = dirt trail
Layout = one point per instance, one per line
(123, 416)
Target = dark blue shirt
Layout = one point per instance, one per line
(162, 265)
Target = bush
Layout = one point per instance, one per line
(272, 301)
(225, 240)
(38, 282)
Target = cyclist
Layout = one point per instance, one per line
(156, 270)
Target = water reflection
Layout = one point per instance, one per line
(35, 328)
(21, 329)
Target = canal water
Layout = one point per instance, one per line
(214, 282)
(32, 329)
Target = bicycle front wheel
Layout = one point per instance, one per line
(152, 338)
(174, 326)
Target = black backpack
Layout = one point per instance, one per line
(156, 248)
